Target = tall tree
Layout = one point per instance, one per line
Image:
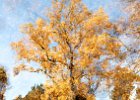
(74, 47)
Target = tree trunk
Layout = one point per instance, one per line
(1, 97)
(71, 66)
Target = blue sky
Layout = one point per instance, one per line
(14, 13)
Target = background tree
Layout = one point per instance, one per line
(128, 28)
(3, 82)
(34, 94)
(123, 77)
(138, 93)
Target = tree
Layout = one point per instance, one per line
(3, 82)
(138, 94)
(128, 76)
(34, 94)
(73, 47)
(123, 77)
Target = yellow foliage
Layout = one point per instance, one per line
(71, 42)
(61, 91)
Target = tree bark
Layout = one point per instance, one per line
(71, 67)
(1, 97)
